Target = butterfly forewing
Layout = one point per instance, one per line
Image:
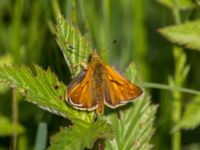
(80, 90)
(118, 90)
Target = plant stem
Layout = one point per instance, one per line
(176, 12)
(176, 115)
(15, 118)
(177, 105)
(170, 88)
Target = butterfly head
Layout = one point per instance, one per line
(94, 56)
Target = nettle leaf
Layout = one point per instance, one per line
(43, 89)
(133, 127)
(191, 116)
(182, 4)
(78, 137)
(74, 46)
(187, 34)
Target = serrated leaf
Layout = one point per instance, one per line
(191, 116)
(182, 4)
(134, 128)
(43, 89)
(74, 46)
(187, 34)
(78, 137)
(6, 127)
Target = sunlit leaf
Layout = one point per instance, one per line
(187, 34)
(43, 89)
(191, 116)
(182, 4)
(5, 60)
(74, 46)
(79, 137)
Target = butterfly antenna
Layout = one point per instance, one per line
(108, 47)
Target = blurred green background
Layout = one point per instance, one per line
(26, 38)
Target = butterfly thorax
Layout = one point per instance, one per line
(95, 57)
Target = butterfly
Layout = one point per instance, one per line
(99, 85)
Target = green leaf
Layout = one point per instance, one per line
(6, 127)
(43, 89)
(187, 34)
(191, 116)
(75, 47)
(5, 60)
(133, 127)
(182, 4)
(78, 137)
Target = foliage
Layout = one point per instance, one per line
(187, 34)
(74, 47)
(133, 126)
(5, 60)
(47, 92)
(43, 89)
(183, 4)
(190, 119)
(26, 38)
(80, 137)
(130, 69)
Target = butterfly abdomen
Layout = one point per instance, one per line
(98, 86)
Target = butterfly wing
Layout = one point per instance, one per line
(119, 90)
(79, 92)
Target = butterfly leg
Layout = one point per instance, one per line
(82, 64)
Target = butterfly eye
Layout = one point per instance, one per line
(89, 58)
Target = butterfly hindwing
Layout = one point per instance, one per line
(77, 79)
(80, 90)
(118, 89)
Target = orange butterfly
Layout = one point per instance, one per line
(100, 84)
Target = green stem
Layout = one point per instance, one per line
(170, 88)
(176, 12)
(177, 105)
(15, 118)
(176, 116)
